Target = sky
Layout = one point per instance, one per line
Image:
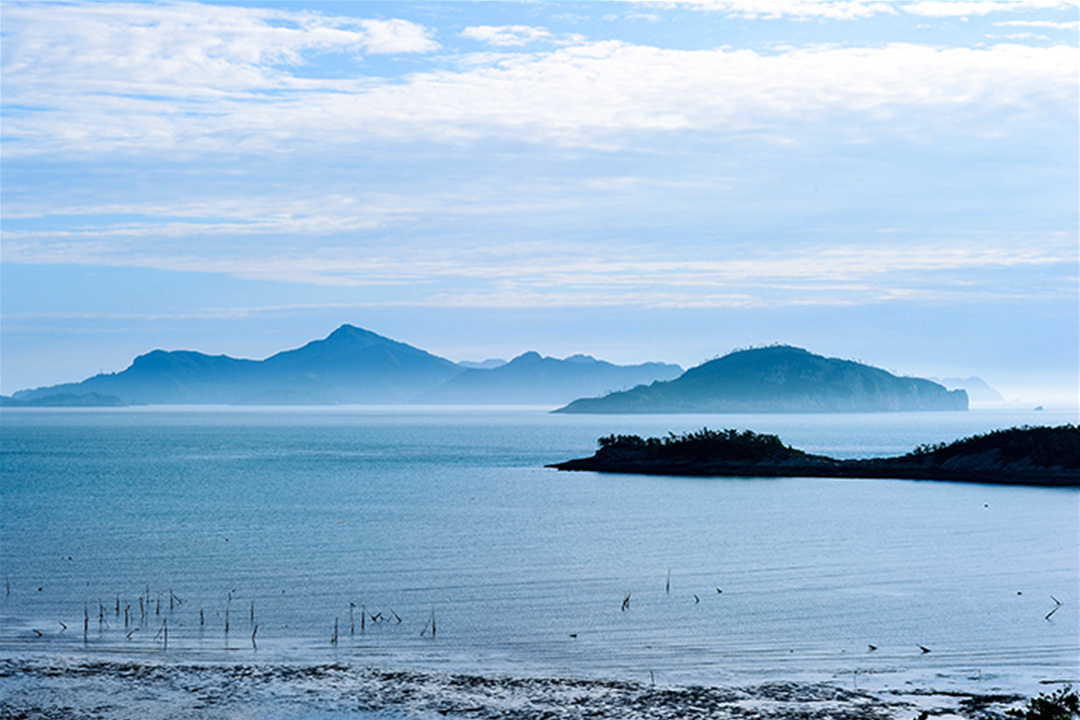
(890, 182)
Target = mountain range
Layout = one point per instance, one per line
(357, 366)
(530, 379)
(350, 366)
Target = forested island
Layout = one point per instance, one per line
(1048, 456)
(778, 379)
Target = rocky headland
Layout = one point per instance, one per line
(1047, 456)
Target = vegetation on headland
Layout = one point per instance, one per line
(1043, 446)
(1062, 705)
(1024, 455)
(705, 443)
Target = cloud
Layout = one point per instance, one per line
(612, 273)
(963, 8)
(1049, 24)
(859, 9)
(148, 78)
(396, 36)
(505, 35)
(187, 50)
(777, 9)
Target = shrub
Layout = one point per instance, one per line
(705, 444)
(1062, 705)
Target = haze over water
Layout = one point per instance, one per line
(414, 513)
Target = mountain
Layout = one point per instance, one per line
(531, 379)
(780, 378)
(977, 389)
(350, 366)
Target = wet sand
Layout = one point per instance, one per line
(89, 690)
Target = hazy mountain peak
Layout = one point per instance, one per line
(351, 332)
(581, 358)
(350, 335)
(527, 357)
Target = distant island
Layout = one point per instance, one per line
(350, 366)
(1046, 456)
(356, 366)
(64, 400)
(975, 387)
(778, 379)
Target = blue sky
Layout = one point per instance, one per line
(890, 182)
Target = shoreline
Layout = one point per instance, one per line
(108, 690)
(871, 469)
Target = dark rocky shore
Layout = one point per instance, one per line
(1044, 456)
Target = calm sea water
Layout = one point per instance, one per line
(385, 522)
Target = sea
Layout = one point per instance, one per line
(414, 562)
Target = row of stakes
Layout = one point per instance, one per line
(430, 627)
(174, 600)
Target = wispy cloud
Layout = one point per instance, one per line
(606, 274)
(506, 35)
(860, 9)
(963, 8)
(146, 78)
(1072, 26)
(793, 9)
(207, 49)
